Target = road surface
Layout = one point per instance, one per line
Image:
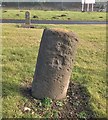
(52, 21)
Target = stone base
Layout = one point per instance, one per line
(27, 26)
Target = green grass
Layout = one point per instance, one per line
(55, 15)
(20, 49)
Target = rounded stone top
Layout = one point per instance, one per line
(27, 12)
(62, 32)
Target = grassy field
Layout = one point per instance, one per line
(55, 15)
(20, 49)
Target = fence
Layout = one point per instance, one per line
(52, 6)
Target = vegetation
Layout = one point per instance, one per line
(20, 49)
(55, 15)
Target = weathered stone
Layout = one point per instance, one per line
(27, 18)
(54, 64)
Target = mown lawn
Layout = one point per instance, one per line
(55, 15)
(20, 50)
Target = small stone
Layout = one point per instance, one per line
(71, 113)
(67, 96)
(76, 97)
(33, 112)
(26, 109)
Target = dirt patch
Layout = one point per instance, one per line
(76, 105)
(17, 15)
(100, 17)
(35, 16)
(69, 18)
(54, 17)
(63, 15)
(4, 11)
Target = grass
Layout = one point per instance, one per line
(55, 15)
(20, 49)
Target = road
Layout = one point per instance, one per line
(52, 21)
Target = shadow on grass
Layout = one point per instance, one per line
(9, 88)
(76, 106)
(77, 103)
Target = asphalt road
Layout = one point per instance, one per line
(52, 21)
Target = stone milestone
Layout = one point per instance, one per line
(54, 64)
(27, 18)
